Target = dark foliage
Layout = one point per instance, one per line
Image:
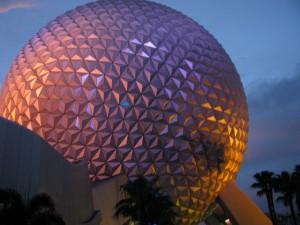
(296, 179)
(38, 210)
(264, 182)
(145, 204)
(285, 185)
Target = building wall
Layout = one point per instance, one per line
(239, 207)
(106, 194)
(30, 165)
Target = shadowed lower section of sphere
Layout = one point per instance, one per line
(138, 88)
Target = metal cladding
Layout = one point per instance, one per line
(138, 88)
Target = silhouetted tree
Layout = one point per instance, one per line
(38, 210)
(145, 203)
(296, 179)
(286, 186)
(264, 182)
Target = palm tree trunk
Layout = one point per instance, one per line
(293, 212)
(271, 207)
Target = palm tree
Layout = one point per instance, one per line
(145, 204)
(38, 210)
(264, 182)
(11, 204)
(285, 185)
(296, 180)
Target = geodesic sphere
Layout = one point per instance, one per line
(138, 88)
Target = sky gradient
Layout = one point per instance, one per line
(262, 39)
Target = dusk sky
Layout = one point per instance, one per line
(262, 39)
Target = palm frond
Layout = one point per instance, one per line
(40, 202)
(11, 197)
(145, 203)
(39, 210)
(46, 218)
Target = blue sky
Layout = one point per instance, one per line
(263, 40)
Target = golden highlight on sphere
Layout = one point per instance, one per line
(134, 87)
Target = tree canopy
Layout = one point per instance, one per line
(38, 210)
(145, 203)
(286, 184)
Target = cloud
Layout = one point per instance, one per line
(275, 95)
(274, 140)
(7, 5)
(274, 108)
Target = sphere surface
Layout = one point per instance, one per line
(138, 88)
